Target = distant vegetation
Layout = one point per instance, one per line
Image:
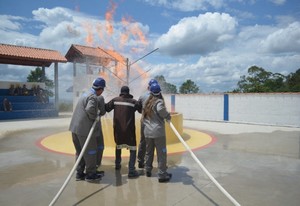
(65, 107)
(38, 75)
(260, 80)
(257, 80)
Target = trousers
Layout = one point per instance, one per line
(159, 144)
(132, 159)
(88, 161)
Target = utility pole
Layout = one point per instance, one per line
(129, 65)
(128, 71)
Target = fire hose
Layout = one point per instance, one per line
(75, 165)
(203, 168)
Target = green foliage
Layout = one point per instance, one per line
(65, 107)
(293, 81)
(166, 87)
(189, 87)
(37, 75)
(260, 80)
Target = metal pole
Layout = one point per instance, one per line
(143, 56)
(128, 71)
(56, 86)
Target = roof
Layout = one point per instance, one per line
(92, 55)
(29, 56)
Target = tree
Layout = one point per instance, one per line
(293, 81)
(37, 75)
(188, 87)
(260, 80)
(166, 87)
(276, 83)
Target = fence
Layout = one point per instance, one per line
(282, 109)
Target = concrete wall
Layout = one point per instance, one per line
(259, 108)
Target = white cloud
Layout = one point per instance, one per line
(58, 29)
(188, 5)
(283, 40)
(223, 49)
(11, 31)
(278, 2)
(275, 48)
(194, 35)
(10, 22)
(53, 16)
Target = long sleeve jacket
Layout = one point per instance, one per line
(88, 108)
(155, 125)
(124, 108)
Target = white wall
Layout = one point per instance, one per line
(198, 106)
(260, 108)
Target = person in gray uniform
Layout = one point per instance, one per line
(89, 108)
(142, 145)
(154, 116)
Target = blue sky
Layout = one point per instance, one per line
(211, 42)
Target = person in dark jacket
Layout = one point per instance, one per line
(154, 116)
(89, 108)
(124, 107)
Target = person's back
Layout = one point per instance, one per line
(25, 90)
(142, 145)
(84, 117)
(154, 115)
(12, 90)
(87, 111)
(124, 107)
(155, 125)
(124, 117)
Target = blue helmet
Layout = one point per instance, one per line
(99, 83)
(155, 89)
(152, 81)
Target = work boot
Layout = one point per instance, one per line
(93, 178)
(165, 178)
(133, 174)
(141, 165)
(101, 173)
(117, 167)
(80, 176)
(148, 174)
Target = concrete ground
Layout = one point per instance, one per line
(256, 165)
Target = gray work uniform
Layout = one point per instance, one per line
(142, 144)
(155, 137)
(84, 115)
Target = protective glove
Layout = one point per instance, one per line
(168, 119)
(98, 118)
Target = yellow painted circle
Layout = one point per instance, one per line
(62, 143)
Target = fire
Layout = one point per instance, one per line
(125, 35)
(112, 37)
(109, 17)
(89, 38)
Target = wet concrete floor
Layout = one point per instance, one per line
(256, 165)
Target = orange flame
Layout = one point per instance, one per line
(125, 35)
(130, 31)
(89, 38)
(109, 17)
(137, 32)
